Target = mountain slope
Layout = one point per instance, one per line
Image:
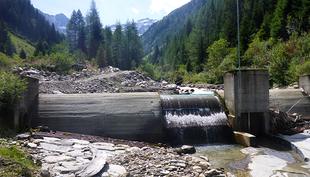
(170, 25)
(142, 25)
(60, 21)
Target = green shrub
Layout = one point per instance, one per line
(12, 88)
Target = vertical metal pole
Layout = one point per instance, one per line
(249, 122)
(239, 44)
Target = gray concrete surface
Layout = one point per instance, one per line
(131, 116)
(26, 108)
(304, 82)
(248, 101)
(284, 99)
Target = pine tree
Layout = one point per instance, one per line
(22, 54)
(156, 54)
(133, 46)
(93, 26)
(39, 48)
(9, 47)
(278, 22)
(118, 45)
(81, 43)
(72, 32)
(108, 45)
(101, 57)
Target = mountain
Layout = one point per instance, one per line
(142, 25)
(60, 21)
(170, 25)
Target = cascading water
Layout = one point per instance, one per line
(195, 119)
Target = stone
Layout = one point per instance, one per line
(133, 149)
(32, 145)
(204, 158)
(76, 141)
(172, 168)
(45, 173)
(212, 172)
(165, 172)
(23, 136)
(55, 148)
(201, 175)
(182, 165)
(204, 165)
(57, 92)
(197, 169)
(116, 170)
(56, 159)
(75, 153)
(186, 149)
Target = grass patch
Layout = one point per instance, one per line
(22, 44)
(15, 162)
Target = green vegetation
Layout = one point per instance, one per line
(85, 36)
(12, 88)
(273, 36)
(15, 162)
(21, 44)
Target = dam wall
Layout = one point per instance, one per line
(131, 116)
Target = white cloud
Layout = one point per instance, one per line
(135, 10)
(167, 5)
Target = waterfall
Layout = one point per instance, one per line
(195, 119)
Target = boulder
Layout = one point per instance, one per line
(186, 149)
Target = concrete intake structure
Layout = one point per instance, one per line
(248, 101)
(131, 116)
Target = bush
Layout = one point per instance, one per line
(62, 61)
(12, 88)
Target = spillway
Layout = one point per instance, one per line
(195, 119)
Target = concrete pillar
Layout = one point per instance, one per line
(26, 107)
(248, 102)
(304, 82)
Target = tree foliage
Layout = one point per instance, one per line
(12, 89)
(205, 46)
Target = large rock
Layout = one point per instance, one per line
(186, 149)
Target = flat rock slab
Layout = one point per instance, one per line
(56, 148)
(56, 159)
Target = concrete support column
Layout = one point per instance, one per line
(248, 101)
(304, 82)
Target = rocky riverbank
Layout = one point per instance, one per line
(106, 80)
(64, 157)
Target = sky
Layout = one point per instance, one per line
(112, 11)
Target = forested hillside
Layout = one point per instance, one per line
(22, 28)
(22, 18)
(170, 25)
(274, 35)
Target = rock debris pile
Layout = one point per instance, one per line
(66, 157)
(106, 80)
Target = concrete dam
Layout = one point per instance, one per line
(136, 116)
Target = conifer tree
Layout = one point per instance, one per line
(93, 27)
(22, 54)
(132, 46)
(118, 45)
(101, 57)
(39, 48)
(108, 45)
(9, 47)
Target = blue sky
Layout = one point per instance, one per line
(112, 11)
